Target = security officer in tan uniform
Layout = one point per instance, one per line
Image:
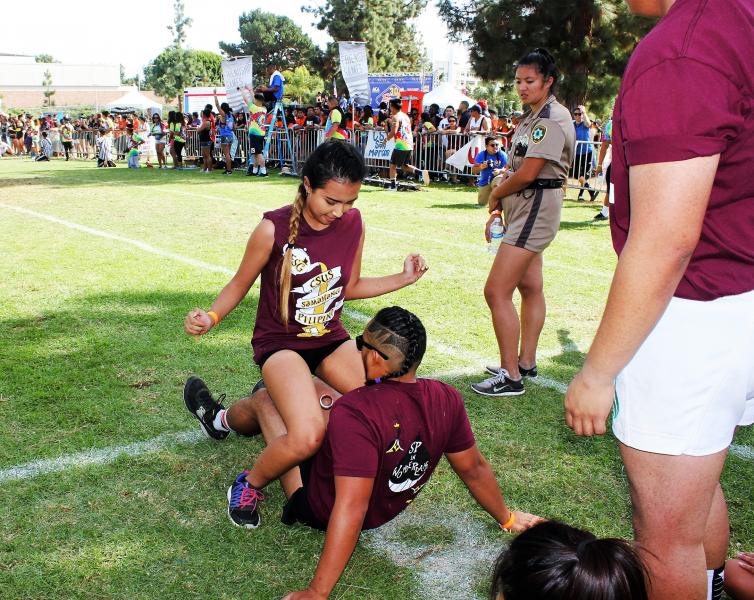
(529, 199)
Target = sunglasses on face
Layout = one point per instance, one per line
(578, 114)
(360, 344)
(494, 145)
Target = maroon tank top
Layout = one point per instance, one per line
(321, 269)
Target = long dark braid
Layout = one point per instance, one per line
(397, 327)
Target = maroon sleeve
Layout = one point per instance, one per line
(461, 437)
(354, 447)
(705, 113)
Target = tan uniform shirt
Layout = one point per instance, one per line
(547, 134)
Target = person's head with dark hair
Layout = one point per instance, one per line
(434, 109)
(392, 345)
(330, 183)
(367, 112)
(225, 107)
(395, 105)
(538, 61)
(425, 117)
(44, 134)
(105, 114)
(171, 117)
(259, 98)
(207, 113)
(554, 561)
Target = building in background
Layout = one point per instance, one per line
(22, 83)
(455, 69)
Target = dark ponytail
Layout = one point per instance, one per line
(544, 62)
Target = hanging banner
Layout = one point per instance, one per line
(353, 67)
(385, 86)
(196, 98)
(378, 147)
(237, 76)
(466, 155)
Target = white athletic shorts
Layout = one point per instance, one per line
(692, 380)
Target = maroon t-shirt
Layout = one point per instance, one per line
(686, 93)
(321, 269)
(393, 432)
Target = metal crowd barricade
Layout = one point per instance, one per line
(585, 158)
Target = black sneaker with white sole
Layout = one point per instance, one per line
(203, 406)
(530, 373)
(499, 385)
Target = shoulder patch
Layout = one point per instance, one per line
(538, 134)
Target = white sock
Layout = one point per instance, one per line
(715, 578)
(219, 423)
(606, 211)
(262, 169)
(255, 170)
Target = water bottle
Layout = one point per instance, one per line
(496, 235)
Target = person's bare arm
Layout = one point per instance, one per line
(477, 476)
(668, 204)
(585, 116)
(343, 529)
(258, 249)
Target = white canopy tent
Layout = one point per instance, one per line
(446, 95)
(133, 100)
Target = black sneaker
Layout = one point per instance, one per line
(250, 171)
(258, 386)
(203, 406)
(530, 373)
(600, 217)
(243, 500)
(499, 385)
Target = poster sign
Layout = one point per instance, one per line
(236, 76)
(196, 98)
(385, 86)
(353, 66)
(378, 147)
(466, 155)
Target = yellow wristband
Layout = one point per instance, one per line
(214, 316)
(509, 523)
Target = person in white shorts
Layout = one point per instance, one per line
(674, 354)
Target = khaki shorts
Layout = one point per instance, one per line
(532, 218)
(483, 195)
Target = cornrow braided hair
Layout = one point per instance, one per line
(399, 331)
(332, 160)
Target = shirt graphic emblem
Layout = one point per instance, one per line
(538, 134)
(411, 469)
(318, 298)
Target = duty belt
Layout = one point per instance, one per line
(545, 184)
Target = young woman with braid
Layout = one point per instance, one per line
(382, 443)
(309, 257)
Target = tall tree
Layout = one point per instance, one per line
(385, 25)
(274, 40)
(301, 85)
(174, 68)
(591, 40)
(47, 90)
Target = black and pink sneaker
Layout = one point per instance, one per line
(243, 499)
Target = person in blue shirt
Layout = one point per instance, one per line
(488, 164)
(274, 91)
(582, 162)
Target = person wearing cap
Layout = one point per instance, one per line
(673, 357)
(477, 122)
(530, 199)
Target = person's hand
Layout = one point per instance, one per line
(214, 91)
(598, 170)
(492, 218)
(414, 267)
(305, 595)
(588, 402)
(524, 521)
(197, 322)
(746, 562)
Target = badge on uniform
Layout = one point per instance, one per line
(538, 134)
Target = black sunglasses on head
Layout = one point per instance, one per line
(360, 343)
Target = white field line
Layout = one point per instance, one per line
(474, 248)
(354, 314)
(98, 456)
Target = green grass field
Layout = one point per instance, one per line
(98, 269)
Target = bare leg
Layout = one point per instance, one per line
(343, 369)
(533, 310)
(511, 263)
(671, 497)
(291, 388)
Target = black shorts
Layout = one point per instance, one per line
(400, 157)
(312, 356)
(297, 509)
(582, 165)
(256, 144)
